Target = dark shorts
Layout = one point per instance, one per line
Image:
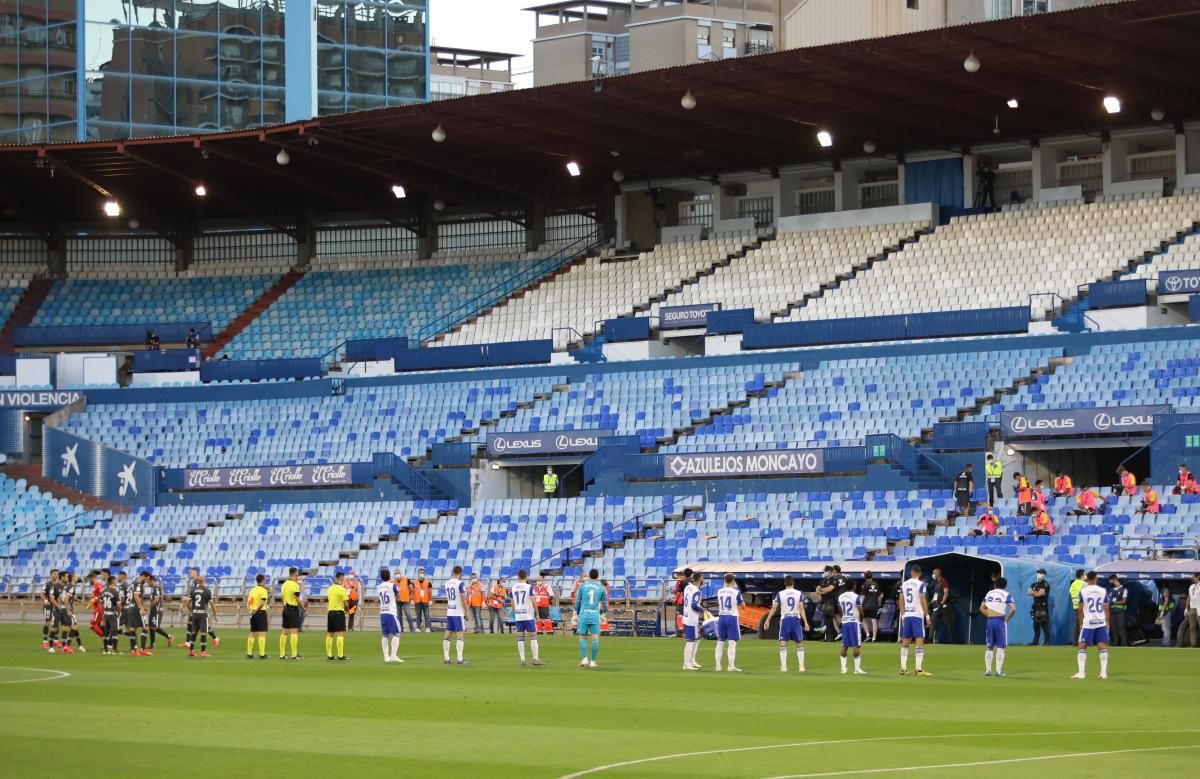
(199, 623)
(871, 612)
(47, 613)
(291, 618)
(336, 622)
(110, 624)
(154, 619)
(62, 618)
(258, 622)
(132, 619)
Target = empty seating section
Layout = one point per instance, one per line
(81, 302)
(783, 271)
(594, 290)
(9, 295)
(1184, 255)
(1130, 374)
(404, 419)
(1000, 259)
(29, 517)
(843, 401)
(324, 309)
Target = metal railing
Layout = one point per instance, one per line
(1161, 547)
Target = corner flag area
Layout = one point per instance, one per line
(636, 715)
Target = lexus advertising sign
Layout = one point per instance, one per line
(545, 442)
(1079, 421)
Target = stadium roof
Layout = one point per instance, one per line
(904, 93)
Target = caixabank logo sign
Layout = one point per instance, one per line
(96, 469)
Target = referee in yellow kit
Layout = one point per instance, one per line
(289, 592)
(256, 604)
(336, 620)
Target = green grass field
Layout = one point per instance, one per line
(228, 716)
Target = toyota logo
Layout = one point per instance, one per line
(1173, 283)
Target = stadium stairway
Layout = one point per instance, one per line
(1073, 319)
(32, 474)
(252, 312)
(26, 309)
(516, 294)
(783, 314)
(724, 262)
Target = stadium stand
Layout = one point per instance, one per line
(784, 272)
(30, 518)
(1000, 259)
(602, 288)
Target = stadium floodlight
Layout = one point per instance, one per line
(618, 176)
(399, 192)
(1112, 104)
(112, 208)
(688, 101)
(972, 64)
(1012, 103)
(1157, 114)
(869, 146)
(283, 158)
(201, 190)
(573, 168)
(438, 134)
(824, 138)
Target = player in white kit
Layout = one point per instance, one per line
(998, 606)
(729, 630)
(1093, 605)
(525, 617)
(850, 608)
(793, 621)
(914, 618)
(456, 596)
(692, 614)
(389, 624)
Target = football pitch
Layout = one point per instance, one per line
(636, 715)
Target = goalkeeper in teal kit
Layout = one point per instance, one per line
(591, 600)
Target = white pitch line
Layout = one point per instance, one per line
(57, 675)
(793, 745)
(981, 763)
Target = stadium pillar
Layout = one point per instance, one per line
(1115, 163)
(56, 249)
(306, 241)
(535, 225)
(968, 165)
(427, 233)
(606, 219)
(1181, 158)
(900, 183)
(185, 249)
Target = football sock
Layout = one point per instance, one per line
(250, 645)
(294, 640)
(903, 658)
(132, 641)
(329, 646)
(262, 645)
(1103, 662)
(458, 648)
(521, 647)
(341, 646)
(843, 659)
(142, 639)
(583, 647)
(732, 653)
(446, 649)
(999, 660)
(1082, 661)
(719, 652)
(800, 656)
(395, 646)
(204, 643)
(858, 662)
(533, 646)
(283, 644)
(920, 658)
(595, 648)
(45, 634)
(783, 657)
(987, 660)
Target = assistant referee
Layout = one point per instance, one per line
(336, 621)
(256, 604)
(289, 592)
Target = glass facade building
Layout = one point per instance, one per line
(110, 69)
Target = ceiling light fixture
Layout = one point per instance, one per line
(824, 138)
(1012, 103)
(112, 208)
(972, 64)
(1112, 104)
(688, 101)
(618, 176)
(283, 158)
(201, 190)
(573, 168)
(869, 146)
(399, 192)
(438, 134)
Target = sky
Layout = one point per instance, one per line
(494, 25)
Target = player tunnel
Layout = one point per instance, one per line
(970, 577)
